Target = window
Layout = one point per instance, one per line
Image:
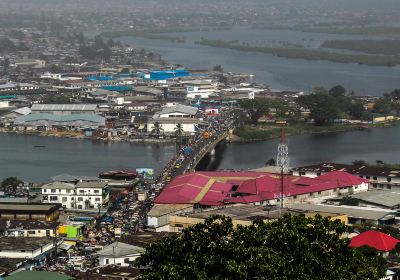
(178, 225)
(64, 199)
(80, 198)
(53, 198)
(375, 178)
(319, 192)
(47, 232)
(388, 187)
(97, 199)
(44, 191)
(368, 177)
(81, 191)
(96, 191)
(53, 190)
(389, 179)
(311, 194)
(318, 174)
(31, 232)
(303, 173)
(107, 261)
(295, 196)
(68, 191)
(375, 185)
(126, 260)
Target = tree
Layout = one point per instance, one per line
(382, 106)
(292, 247)
(270, 162)
(337, 91)
(157, 129)
(12, 182)
(356, 110)
(218, 68)
(359, 162)
(324, 108)
(255, 108)
(179, 132)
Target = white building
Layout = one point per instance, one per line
(83, 195)
(169, 117)
(200, 88)
(25, 248)
(119, 253)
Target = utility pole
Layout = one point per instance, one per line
(282, 159)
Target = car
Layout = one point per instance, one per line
(168, 179)
(177, 166)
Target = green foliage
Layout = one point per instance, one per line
(308, 54)
(292, 247)
(386, 47)
(218, 68)
(57, 99)
(324, 108)
(12, 182)
(347, 200)
(337, 91)
(359, 162)
(97, 50)
(255, 108)
(382, 106)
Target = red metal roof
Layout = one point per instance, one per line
(375, 239)
(207, 188)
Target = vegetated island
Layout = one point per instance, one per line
(261, 132)
(308, 54)
(380, 31)
(385, 47)
(159, 34)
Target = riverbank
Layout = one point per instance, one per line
(263, 132)
(78, 135)
(307, 54)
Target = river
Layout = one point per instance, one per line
(20, 158)
(279, 73)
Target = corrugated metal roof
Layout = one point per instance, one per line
(64, 107)
(59, 118)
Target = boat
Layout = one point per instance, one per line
(39, 146)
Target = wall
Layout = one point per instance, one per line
(118, 261)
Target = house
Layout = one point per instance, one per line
(29, 211)
(119, 253)
(380, 241)
(8, 118)
(379, 177)
(83, 195)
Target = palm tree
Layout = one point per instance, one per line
(157, 129)
(179, 132)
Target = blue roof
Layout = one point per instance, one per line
(100, 78)
(168, 74)
(117, 88)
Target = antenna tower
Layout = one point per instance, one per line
(282, 159)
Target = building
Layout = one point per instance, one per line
(169, 117)
(379, 177)
(64, 109)
(51, 122)
(376, 198)
(48, 212)
(215, 189)
(83, 195)
(119, 253)
(380, 241)
(356, 214)
(200, 89)
(15, 228)
(8, 118)
(29, 248)
(42, 275)
(242, 215)
(158, 218)
(9, 88)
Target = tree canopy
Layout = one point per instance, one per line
(291, 247)
(255, 108)
(323, 108)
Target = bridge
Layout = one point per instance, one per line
(200, 146)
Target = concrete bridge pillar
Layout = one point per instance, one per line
(212, 152)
